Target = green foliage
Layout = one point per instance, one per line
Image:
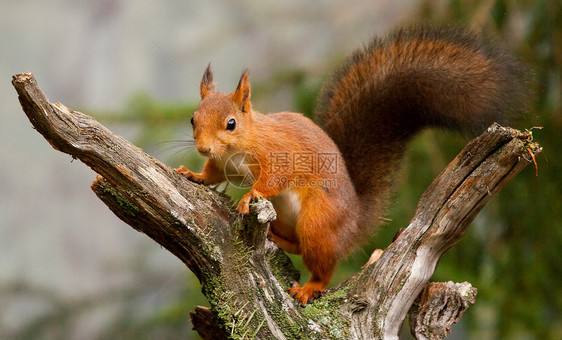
(512, 252)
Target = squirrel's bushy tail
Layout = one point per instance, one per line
(414, 78)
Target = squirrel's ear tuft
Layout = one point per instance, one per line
(207, 85)
(242, 94)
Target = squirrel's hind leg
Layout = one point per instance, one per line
(291, 247)
(315, 231)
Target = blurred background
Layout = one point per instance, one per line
(70, 269)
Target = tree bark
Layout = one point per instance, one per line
(438, 307)
(242, 273)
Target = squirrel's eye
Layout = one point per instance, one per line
(192, 122)
(231, 125)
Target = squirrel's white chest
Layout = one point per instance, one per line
(288, 206)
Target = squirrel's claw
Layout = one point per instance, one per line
(244, 204)
(305, 294)
(189, 174)
(181, 170)
(243, 207)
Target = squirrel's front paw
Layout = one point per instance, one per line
(189, 174)
(244, 204)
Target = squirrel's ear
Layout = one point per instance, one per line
(242, 94)
(207, 85)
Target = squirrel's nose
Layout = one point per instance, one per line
(204, 150)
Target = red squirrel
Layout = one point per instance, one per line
(330, 181)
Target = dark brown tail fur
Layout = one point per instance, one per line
(415, 78)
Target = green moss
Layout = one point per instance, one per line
(325, 312)
(291, 330)
(125, 204)
(282, 267)
(240, 320)
(238, 323)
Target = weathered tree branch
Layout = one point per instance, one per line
(242, 274)
(438, 307)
